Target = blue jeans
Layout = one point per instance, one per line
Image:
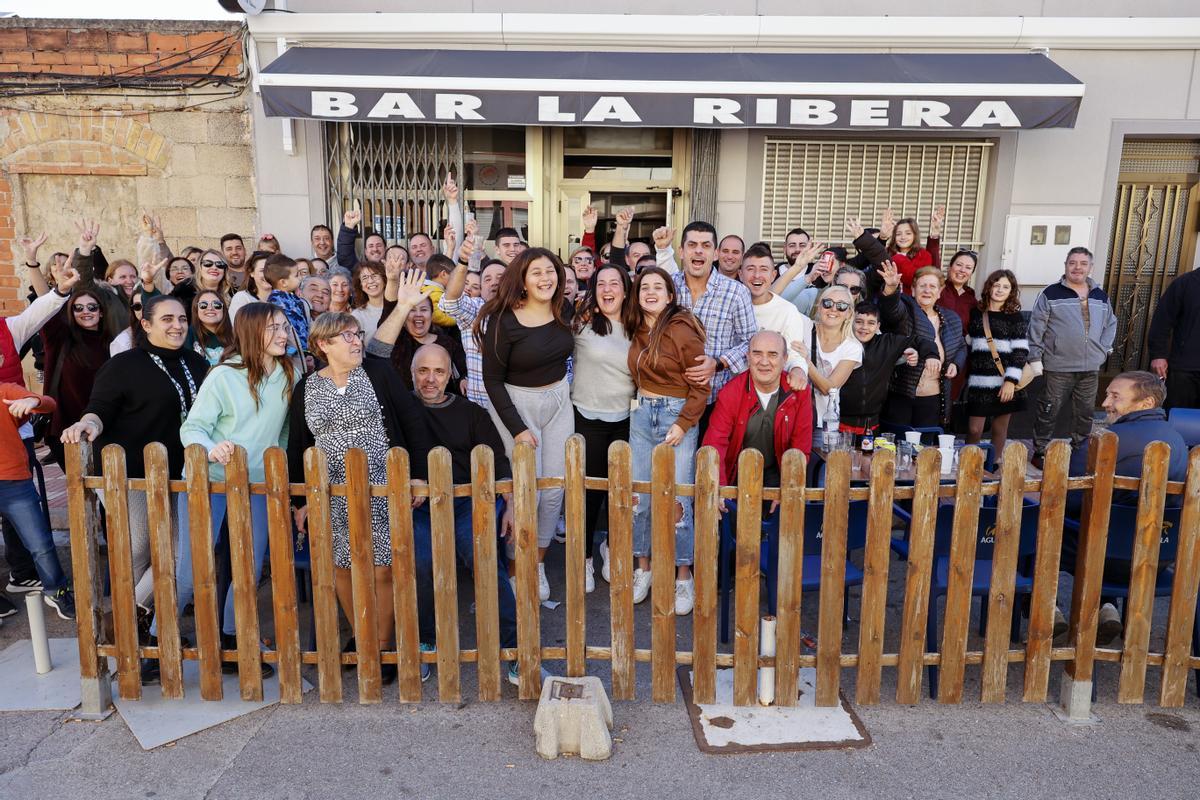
(184, 581)
(648, 426)
(21, 506)
(464, 547)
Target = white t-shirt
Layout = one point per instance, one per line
(782, 317)
(764, 398)
(849, 350)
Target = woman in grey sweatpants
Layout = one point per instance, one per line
(525, 341)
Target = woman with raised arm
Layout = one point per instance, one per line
(243, 402)
(602, 388)
(835, 352)
(666, 340)
(352, 403)
(370, 290)
(142, 396)
(904, 246)
(525, 341)
(408, 326)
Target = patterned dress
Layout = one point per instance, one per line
(339, 420)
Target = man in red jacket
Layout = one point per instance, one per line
(757, 410)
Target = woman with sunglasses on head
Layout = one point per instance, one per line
(142, 396)
(244, 401)
(919, 396)
(666, 340)
(257, 289)
(212, 332)
(356, 403)
(835, 352)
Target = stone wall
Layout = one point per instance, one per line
(116, 117)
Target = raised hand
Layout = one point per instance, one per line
(67, 277)
(889, 223)
(810, 252)
(467, 250)
(351, 218)
(625, 218)
(148, 272)
(663, 237)
(854, 227)
(31, 246)
(89, 232)
(450, 188)
(891, 276)
(151, 225)
(393, 260)
(471, 229)
(408, 288)
(590, 215)
(451, 237)
(936, 219)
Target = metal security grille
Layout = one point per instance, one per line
(393, 172)
(1153, 235)
(816, 184)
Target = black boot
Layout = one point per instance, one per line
(149, 667)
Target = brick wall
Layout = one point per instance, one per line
(100, 146)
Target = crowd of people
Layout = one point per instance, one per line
(437, 343)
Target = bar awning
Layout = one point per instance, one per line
(838, 91)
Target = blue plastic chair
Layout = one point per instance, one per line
(810, 576)
(1122, 530)
(981, 579)
(1187, 422)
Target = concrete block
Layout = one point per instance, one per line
(239, 193)
(225, 160)
(228, 129)
(573, 716)
(153, 192)
(216, 222)
(183, 127)
(182, 161)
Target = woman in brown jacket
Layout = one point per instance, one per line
(667, 340)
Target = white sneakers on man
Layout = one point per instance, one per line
(543, 584)
(685, 597)
(589, 577)
(641, 584)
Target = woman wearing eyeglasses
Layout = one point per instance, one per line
(835, 351)
(919, 395)
(212, 332)
(244, 401)
(352, 403)
(141, 396)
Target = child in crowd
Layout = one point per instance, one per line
(19, 502)
(281, 273)
(437, 275)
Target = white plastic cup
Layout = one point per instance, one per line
(947, 459)
(912, 437)
(946, 441)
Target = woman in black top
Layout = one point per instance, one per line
(992, 391)
(525, 341)
(141, 396)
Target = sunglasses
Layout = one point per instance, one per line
(79, 308)
(134, 307)
(204, 305)
(854, 290)
(208, 263)
(840, 305)
(349, 337)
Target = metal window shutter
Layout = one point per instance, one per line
(816, 184)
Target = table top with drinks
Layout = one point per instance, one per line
(906, 448)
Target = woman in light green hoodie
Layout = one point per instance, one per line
(243, 401)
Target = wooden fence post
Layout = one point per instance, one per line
(404, 586)
(957, 618)
(95, 685)
(920, 566)
(204, 571)
(445, 574)
(525, 520)
(1075, 694)
(362, 577)
(120, 567)
(704, 615)
(834, 530)
(162, 560)
(324, 595)
(620, 566)
(789, 581)
(875, 577)
(576, 555)
(487, 587)
(1052, 509)
(662, 571)
(283, 575)
(748, 578)
(1182, 616)
(1000, 602)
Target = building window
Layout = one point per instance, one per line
(816, 184)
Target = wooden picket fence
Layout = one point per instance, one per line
(925, 492)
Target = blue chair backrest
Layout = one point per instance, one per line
(1122, 530)
(814, 520)
(985, 532)
(1187, 422)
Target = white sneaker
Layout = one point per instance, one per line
(589, 577)
(604, 561)
(641, 584)
(543, 584)
(685, 597)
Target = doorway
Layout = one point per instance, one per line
(614, 168)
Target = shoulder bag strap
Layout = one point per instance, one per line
(987, 333)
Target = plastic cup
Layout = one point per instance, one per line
(946, 441)
(912, 437)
